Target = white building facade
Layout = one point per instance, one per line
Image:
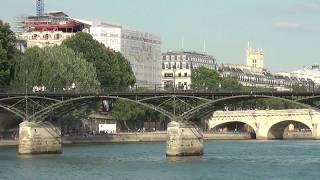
(142, 50)
(177, 67)
(307, 73)
(107, 34)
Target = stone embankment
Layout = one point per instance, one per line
(134, 137)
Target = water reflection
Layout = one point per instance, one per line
(183, 159)
(37, 156)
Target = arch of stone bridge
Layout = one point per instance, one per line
(89, 99)
(276, 130)
(205, 106)
(215, 123)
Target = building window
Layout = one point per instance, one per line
(183, 65)
(34, 36)
(163, 57)
(168, 74)
(46, 36)
(174, 66)
(179, 74)
(185, 74)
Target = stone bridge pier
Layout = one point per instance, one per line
(184, 139)
(39, 138)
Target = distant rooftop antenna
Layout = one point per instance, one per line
(40, 7)
(182, 43)
(248, 44)
(204, 46)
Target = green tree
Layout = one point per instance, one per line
(230, 83)
(57, 67)
(125, 111)
(204, 78)
(299, 88)
(113, 70)
(8, 53)
(267, 103)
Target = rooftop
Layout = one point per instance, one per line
(169, 52)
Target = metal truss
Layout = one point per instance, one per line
(175, 107)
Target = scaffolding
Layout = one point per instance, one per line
(40, 7)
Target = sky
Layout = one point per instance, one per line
(287, 30)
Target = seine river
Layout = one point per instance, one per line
(222, 160)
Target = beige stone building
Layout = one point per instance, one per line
(255, 57)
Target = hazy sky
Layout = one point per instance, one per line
(287, 30)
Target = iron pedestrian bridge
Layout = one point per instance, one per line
(178, 106)
(38, 135)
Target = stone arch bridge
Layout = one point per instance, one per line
(269, 124)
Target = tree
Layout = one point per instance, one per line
(125, 111)
(113, 70)
(56, 68)
(230, 83)
(7, 54)
(204, 78)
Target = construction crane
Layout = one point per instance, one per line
(40, 7)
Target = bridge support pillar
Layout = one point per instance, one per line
(316, 131)
(39, 138)
(184, 139)
(262, 135)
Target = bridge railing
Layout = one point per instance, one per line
(146, 88)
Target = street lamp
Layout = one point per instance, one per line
(174, 79)
(174, 89)
(26, 95)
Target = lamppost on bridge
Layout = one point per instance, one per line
(174, 78)
(174, 89)
(26, 95)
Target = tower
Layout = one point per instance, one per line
(255, 57)
(40, 7)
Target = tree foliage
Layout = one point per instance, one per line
(230, 83)
(263, 104)
(125, 111)
(7, 53)
(204, 78)
(57, 67)
(113, 70)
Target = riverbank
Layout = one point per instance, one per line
(134, 137)
(153, 137)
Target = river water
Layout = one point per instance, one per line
(222, 160)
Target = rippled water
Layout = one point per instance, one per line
(222, 160)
